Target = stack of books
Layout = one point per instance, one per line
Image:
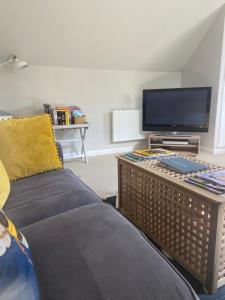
(63, 115)
(146, 154)
(212, 181)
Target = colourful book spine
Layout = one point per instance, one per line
(62, 108)
(67, 117)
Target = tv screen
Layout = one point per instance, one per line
(182, 110)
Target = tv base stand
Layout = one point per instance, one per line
(187, 144)
(174, 133)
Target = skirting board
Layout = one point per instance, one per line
(67, 156)
(212, 151)
(219, 151)
(206, 150)
(111, 151)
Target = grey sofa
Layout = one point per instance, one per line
(42, 196)
(84, 249)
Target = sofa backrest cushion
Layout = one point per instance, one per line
(17, 275)
(27, 146)
(4, 185)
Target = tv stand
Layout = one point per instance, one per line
(174, 133)
(186, 144)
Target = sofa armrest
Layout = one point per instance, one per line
(60, 151)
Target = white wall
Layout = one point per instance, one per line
(97, 92)
(203, 69)
(220, 119)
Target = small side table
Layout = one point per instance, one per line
(82, 130)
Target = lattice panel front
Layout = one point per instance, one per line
(221, 275)
(178, 221)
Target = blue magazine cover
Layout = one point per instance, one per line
(182, 165)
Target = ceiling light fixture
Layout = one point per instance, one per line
(17, 63)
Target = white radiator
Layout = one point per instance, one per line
(127, 125)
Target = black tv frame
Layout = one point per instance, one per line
(173, 127)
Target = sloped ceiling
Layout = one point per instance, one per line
(155, 35)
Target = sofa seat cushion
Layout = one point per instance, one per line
(44, 195)
(93, 252)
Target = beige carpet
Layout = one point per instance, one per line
(101, 171)
(218, 159)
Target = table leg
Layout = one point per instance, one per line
(83, 151)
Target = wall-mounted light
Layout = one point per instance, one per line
(17, 63)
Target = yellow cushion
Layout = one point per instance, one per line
(4, 185)
(27, 146)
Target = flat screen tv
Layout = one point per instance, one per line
(176, 110)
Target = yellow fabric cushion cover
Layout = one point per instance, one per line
(4, 185)
(27, 146)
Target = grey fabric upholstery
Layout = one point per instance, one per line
(41, 196)
(94, 253)
(83, 249)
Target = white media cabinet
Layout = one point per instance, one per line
(187, 144)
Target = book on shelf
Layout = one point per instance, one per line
(61, 117)
(62, 108)
(213, 181)
(182, 165)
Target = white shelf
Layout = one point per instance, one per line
(175, 145)
(82, 128)
(68, 140)
(71, 126)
